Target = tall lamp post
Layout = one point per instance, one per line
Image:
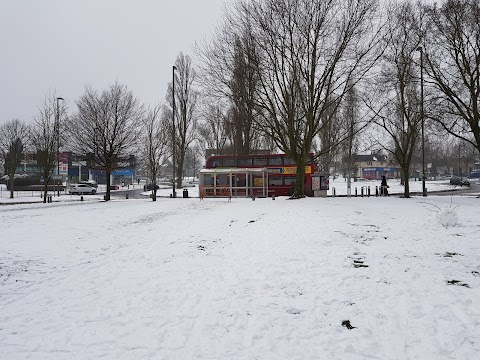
(422, 115)
(57, 134)
(173, 129)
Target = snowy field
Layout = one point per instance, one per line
(212, 279)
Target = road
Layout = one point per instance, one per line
(459, 190)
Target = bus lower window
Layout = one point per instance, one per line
(207, 180)
(222, 180)
(240, 180)
(289, 180)
(274, 180)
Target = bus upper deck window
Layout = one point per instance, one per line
(230, 162)
(245, 162)
(216, 163)
(260, 161)
(277, 160)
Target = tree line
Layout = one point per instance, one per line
(332, 77)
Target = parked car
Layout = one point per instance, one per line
(80, 189)
(474, 177)
(148, 187)
(455, 180)
(92, 183)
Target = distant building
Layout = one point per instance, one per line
(373, 166)
(75, 168)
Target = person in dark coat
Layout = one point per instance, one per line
(384, 186)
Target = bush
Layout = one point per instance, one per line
(447, 217)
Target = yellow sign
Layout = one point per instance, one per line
(291, 170)
(257, 182)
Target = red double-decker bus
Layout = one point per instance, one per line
(280, 168)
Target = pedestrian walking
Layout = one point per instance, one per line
(384, 186)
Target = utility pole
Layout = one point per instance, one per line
(57, 135)
(173, 130)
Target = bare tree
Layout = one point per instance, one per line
(329, 137)
(211, 131)
(192, 161)
(350, 146)
(452, 57)
(185, 110)
(396, 99)
(106, 127)
(44, 139)
(310, 53)
(230, 72)
(154, 144)
(13, 137)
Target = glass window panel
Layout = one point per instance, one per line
(277, 160)
(288, 161)
(244, 162)
(275, 180)
(216, 163)
(289, 180)
(261, 161)
(207, 179)
(222, 180)
(229, 162)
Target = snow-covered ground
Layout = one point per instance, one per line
(264, 279)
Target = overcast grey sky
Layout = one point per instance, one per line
(60, 46)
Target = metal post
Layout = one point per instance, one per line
(173, 128)
(459, 161)
(57, 135)
(422, 115)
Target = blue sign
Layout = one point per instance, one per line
(124, 172)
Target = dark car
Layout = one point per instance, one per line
(459, 182)
(148, 187)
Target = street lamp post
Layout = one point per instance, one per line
(57, 134)
(422, 115)
(173, 130)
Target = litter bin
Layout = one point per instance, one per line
(185, 193)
